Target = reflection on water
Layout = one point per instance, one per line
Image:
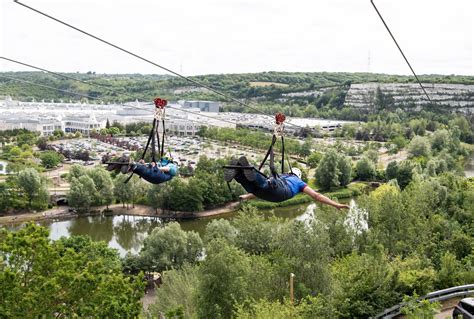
(357, 219)
(126, 233)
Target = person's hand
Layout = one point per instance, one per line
(341, 206)
(242, 197)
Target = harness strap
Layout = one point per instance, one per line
(153, 143)
(282, 155)
(270, 150)
(163, 138)
(150, 139)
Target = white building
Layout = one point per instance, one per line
(46, 127)
(83, 124)
(182, 127)
(204, 106)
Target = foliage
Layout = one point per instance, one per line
(419, 146)
(82, 193)
(69, 278)
(224, 274)
(365, 169)
(220, 228)
(414, 308)
(364, 285)
(103, 185)
(50, 159)
(179, 289)
(333, 170)
(33, 186)
(170, 247)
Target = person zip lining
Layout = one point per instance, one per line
(155, 172)
(278, 187)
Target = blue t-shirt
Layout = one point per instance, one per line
(296, 184)
(173, 168)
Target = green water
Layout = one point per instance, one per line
(126, 233)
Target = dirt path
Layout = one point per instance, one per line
(116, 209)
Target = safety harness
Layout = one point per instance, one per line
(278, 132)
(154, 137)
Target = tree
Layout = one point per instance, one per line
(345, 170)
(76, 171)
(440, 140)
(122, 190)
(50, 159)
(404, 173)
(68, 278)
(179, 290)
(314, 159)
(413, 308)
(220, 228)
(365, 169)
(58, 133)
(42, 143)
(224, 280)
(138, 190)
(327, 173)
(104, 186)
(419, 146)
(170, 247)
(367, 281)
(306, 147)
(254, 235)
(30, 182)
(391, 172)
(82, 193)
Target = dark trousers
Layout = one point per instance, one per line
(273, 189)
(151, 174)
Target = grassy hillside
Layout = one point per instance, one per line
(126, 87)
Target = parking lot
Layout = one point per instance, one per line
(184, 150)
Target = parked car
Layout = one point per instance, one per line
(464, 309)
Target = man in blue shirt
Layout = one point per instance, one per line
(273, 189)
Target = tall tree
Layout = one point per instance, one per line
(70, 278)
(328, 172)
(170, 247)
(104, 186)
(82, 193)
(30, 182)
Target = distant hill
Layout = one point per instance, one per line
(300, 88)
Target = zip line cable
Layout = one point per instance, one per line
(401, 51)
(109, 89)
(228, 97)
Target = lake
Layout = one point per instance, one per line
(126, 233)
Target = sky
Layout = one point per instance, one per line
(241, 36)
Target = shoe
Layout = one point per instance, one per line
(111, 167)
(127, 167)
(115, 164)
(249, 171)
(230, 173)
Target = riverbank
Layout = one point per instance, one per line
(64, 212)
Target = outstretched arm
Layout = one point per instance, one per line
(247, 196)
(323, 199)
(164, 169)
